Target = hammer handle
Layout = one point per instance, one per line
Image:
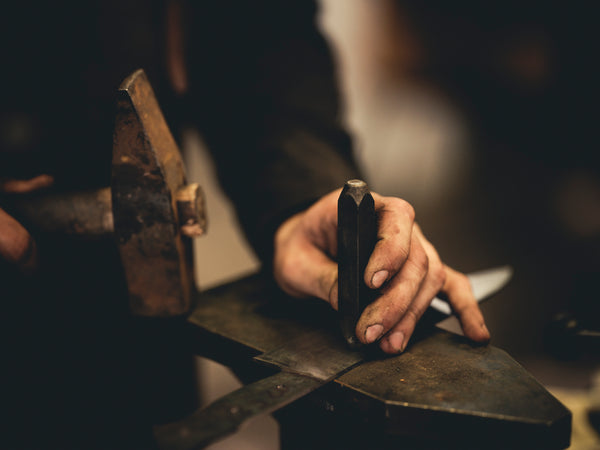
(86, 214)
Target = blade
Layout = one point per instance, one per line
(307, 362)
(319, 355)
(225, 415)
(484, 283)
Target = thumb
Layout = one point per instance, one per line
(16, 244)
(301, 266)
(305, 271)
(463, 302)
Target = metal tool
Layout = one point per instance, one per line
(308, 361)
(149, 208)
(152, 205)
(357, 235)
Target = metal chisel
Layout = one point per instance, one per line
(357, 235)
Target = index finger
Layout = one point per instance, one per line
(463, 302)
(395, 223)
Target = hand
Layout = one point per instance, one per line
(17, 247)
(404, 266)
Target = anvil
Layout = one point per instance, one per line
(442, 392)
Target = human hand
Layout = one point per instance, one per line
(404, 265)
(17, 247)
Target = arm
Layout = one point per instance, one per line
(264, 79)
(271, 120)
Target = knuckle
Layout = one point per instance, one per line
(327, 281)
(420, 260)
(438, 275)
(396, 312)
(406, 208)
(459, 282)
(390, 253)
(388, 311)
(413, 315)
(403, 207)
(402, 254)
(284, 267)
(462, 281)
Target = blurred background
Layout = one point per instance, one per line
(481, 116)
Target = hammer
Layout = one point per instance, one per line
(149, 208)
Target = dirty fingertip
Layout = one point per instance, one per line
(373, 333)
(479, 334)
(379, 278)
(397, 341)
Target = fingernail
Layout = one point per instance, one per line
(486, 330)
(397, 341)
(379, 278)
(373, 333)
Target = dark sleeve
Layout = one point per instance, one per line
(265, 97)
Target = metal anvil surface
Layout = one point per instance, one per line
(442, 392)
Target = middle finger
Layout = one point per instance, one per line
(397, 295)
(397, 338)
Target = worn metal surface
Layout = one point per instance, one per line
(147, 171)
(357, 235)
(319, 354)
(450, 389)
(443, 388)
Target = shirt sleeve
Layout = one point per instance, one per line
(265, 97)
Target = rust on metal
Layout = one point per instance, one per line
(442, 390)
(149, 208)
(147, 171)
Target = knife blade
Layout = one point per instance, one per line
(483, 284)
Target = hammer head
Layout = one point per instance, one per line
(147, 175)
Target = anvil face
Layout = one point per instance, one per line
(443, 390)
